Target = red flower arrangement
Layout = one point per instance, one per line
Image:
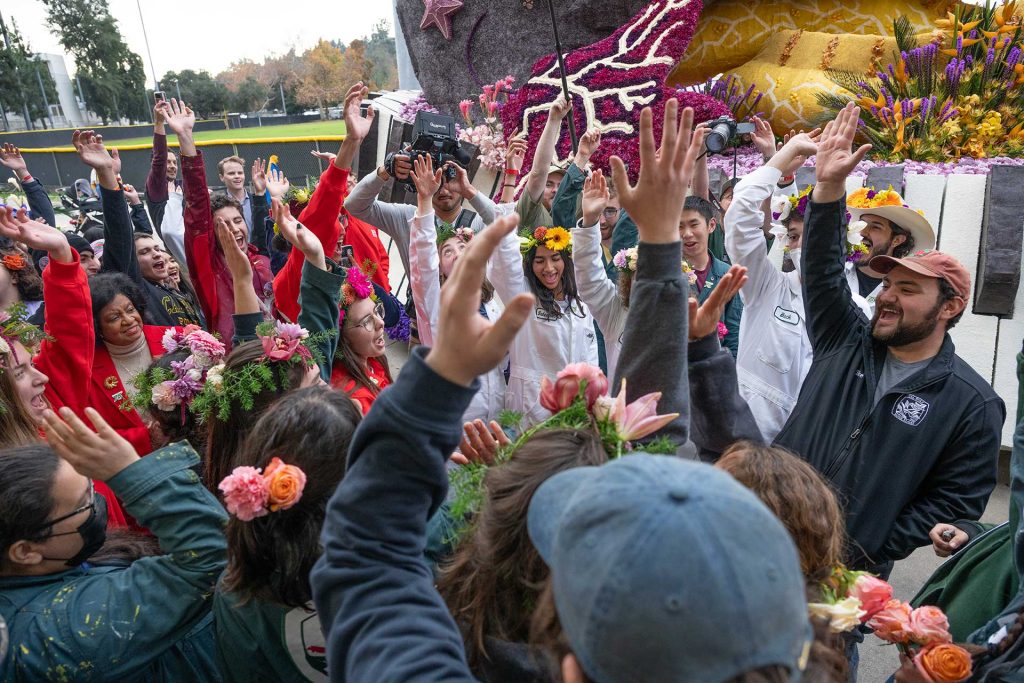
(620, 75)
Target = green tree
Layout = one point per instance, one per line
(380, 51)
(207, 96)
(112, 76)
(251, 95)
(19, 84)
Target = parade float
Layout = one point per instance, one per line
(940, 85)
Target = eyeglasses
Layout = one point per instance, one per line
(367, 323)
(610, 212)
(91, 505)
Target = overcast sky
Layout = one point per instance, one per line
(209, 34)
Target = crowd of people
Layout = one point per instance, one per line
(626, 446)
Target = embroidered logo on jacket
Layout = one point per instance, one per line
(910, 409)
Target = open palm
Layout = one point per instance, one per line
(356, 123)
(180, 118)
(19, 227)
(91, 150)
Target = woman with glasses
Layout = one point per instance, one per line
(361, 369)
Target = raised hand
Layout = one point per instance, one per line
(560, 108)
(98, 454)
(427, 180)
(298, 235)
(90, 149)
(259, 176)
(704, 317)
(115, 157)
(17, 226)
(656, 202)
(515, 153)
(465, 343)
(132, 194)
(836, 158)
(180, 118)
(236, 259)
(595, 198)
(277, 184)
(795, 152)
(763, 138)
(461, 183)
(356, 123)
(159, 116)
(329, 157)
(589, 143)
(10, 157)
(481, 442)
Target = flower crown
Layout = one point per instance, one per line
(783, 205)
(283, 344)
(578, 399)
(446, 231)
(867, 198)
(555, 239)
(357, 286)
(179, 386)
(14, 326)
(250, 492)
(625, 262)
(14, 262)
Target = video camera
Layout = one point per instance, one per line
(434, 136)
(723, 130)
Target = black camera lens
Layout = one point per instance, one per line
(718, 139)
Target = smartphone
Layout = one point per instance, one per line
(158, 96)
(348, 256)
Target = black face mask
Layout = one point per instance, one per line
(93, 532)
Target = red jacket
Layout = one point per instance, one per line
(321, 217)
(206, 264)
(68, 359)
(343, 381)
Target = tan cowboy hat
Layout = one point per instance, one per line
(908, 219)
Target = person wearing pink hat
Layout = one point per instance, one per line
(905, 430)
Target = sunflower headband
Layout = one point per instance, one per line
(625, 262)
(179, 386)
(556, 239)
(284, 344)
(578, 399)
(447, 231)
(251, 492)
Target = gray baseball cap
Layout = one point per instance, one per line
(669, 570)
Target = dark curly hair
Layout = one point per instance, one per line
(105, 287)
(223, 201)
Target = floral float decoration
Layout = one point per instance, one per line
(489, 136)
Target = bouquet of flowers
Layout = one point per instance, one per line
(488, 136)
(851, 598)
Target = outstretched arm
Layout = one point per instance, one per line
(545, 152)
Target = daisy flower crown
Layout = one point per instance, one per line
(178, 386)
(284, 345)
(556, 239)
(578, 399)
(625, 262)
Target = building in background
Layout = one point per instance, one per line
(67, 112)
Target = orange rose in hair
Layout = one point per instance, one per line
(944, 663)
(284, 483)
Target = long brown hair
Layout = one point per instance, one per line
(494, 579)
(27, 280)
(799, 496)
(270, 557)
(17, 428)
(347, 357)
(224, 437)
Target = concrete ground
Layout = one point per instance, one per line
(878, 661)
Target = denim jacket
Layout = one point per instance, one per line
(127, 623)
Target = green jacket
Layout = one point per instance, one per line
(984, 577)
(140, 623)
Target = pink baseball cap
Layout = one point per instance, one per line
(930, 263)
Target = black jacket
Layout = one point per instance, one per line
(926, 453)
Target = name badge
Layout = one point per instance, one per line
(786, 316)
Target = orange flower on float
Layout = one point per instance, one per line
(284, 484)
(901, 71)
(944, 663)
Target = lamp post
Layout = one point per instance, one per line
(178, 89)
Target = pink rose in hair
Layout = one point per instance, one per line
(206, 348)
(929, 625)
(163, 396)
(873, 594)
(559, 395)
(245, 493)
(892, 622)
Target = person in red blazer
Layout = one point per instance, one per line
(59, 375)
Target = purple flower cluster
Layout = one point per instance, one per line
(414, 106)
